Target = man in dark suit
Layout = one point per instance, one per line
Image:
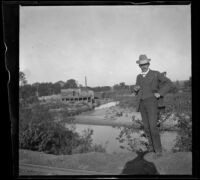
(150, 87)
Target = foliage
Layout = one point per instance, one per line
(184, 140)
(120, 86)
(46, 89)
(65, 110)
(85, 143)
(38, 131)
(42, 89)
(188, 84)
(26, 91)
(178, 104)
(71, 83)
(100, 88)
(135, 141)
(98, 148)
(22, 78)
(184, 86)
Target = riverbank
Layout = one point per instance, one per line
(108, 115)
(170, 163)
(179, 163)
(117, 116)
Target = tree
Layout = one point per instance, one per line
(122, 84)
(71, 83)
(116, 87)
(22, 79)
(187, 84)
(56, 88)
(80, 85)
(177, 83)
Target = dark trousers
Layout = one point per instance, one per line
(149, 113)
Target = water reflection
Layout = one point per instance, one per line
(106, 136)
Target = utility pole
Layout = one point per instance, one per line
(85, 82)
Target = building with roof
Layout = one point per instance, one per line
(77, 95)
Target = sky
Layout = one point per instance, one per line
(103, 43)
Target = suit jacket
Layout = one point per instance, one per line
(153, 82)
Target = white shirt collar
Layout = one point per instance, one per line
(144, 73)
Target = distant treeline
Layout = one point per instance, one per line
(48, 88)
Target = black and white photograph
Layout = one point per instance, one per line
(105, 90)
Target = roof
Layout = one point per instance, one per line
(76, 93)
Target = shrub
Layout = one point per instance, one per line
(39, 132)
(184, 139)
(179, 102)
(98, 148)
(135, 142)
(85, 144)
(180, 105)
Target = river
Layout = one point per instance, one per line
(106, 135)
(107, 105)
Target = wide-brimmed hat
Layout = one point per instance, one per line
(143, 59)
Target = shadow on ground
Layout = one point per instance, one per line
(139, 166)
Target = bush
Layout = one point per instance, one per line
(184, 140)
(39, 132)
(85, 144)
(180, 105)
(135, 142)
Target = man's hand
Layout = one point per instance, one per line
(157, 95)
(136, 87)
